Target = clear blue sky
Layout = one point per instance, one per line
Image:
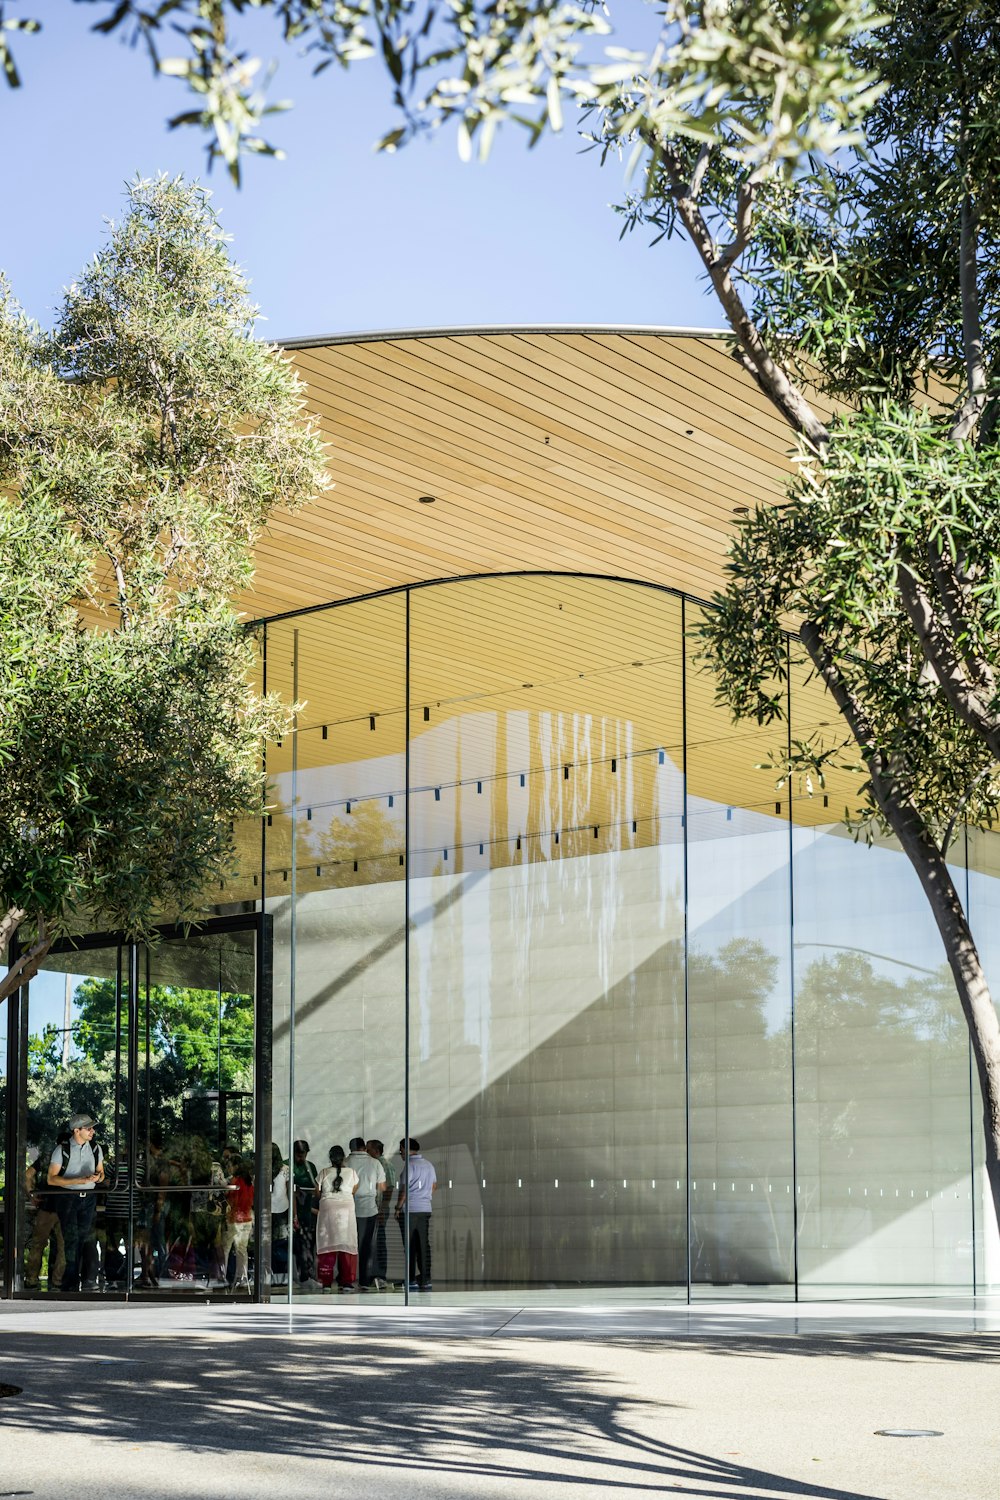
(335, 237)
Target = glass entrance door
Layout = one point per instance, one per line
(202, 1175)
(166, 1048)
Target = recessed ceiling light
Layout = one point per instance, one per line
(426, 499)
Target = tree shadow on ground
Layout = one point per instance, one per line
(957, 1348)
(424, 1408)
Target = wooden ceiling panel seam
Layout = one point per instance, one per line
(380, 376)
(703, 357)
(620, 492)
(698, 581)
(617, 369)
(363, 520)
(456, 523)
(721, 378)
(576, 425)
(544, 483)
(639, 422)
(328, 408)
(632, 455)
(524, 591)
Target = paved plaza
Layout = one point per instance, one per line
(361, 1401)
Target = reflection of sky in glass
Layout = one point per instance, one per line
(851, 896)
(47, 1002)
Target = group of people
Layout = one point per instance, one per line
(341, 1215)
(192, 1217)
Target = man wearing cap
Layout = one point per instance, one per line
(75, 1169)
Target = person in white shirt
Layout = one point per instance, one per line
(417, 1186)
(336, 1225)
(371, 1181)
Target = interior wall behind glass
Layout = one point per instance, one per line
(882, 1073)
(546, 949)
(739, 995)
(335, 875)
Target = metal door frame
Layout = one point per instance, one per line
(15, 1125)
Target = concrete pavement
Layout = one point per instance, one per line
(365, 1402)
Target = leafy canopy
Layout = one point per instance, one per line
(772, 74)
(143, 445)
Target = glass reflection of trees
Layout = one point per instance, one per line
(851, 1017)
(200, 1044)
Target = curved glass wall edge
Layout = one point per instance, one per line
(661, 1031)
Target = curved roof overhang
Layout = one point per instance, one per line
(620, 451)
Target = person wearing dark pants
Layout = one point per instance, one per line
(371, 1181)
(305, 1178)
(76, 1215)
(380, 1250)
(76, 1167)
(417, 1186)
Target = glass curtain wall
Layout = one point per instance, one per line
(546, 977)
(882, 1056)
(982, 862)
(660, 1026)
(335, 882)
(740, 1000)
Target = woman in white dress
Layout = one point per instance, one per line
(337, 1226)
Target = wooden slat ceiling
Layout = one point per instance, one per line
(622, 453)
(536, 705)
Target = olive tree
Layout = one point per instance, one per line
(834, 164)
(143, 445)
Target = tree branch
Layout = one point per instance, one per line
(27, 964)
(895, 805)
(966, 701)
(123, 608)
(955, 599)
(744, 222)
(9, 924)
(698, 175)
(962, 802)
(972, 333)
(773, 380)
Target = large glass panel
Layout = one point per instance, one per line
(197, 1197)
(335, 871)
(546, 994)
(984, 912)
(739, 995)
(76, 1067)
(882, 1069)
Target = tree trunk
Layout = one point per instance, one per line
(27, 964)
(967, 970)
(932, 871)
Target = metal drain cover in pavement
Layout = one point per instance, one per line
(908, 1432)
